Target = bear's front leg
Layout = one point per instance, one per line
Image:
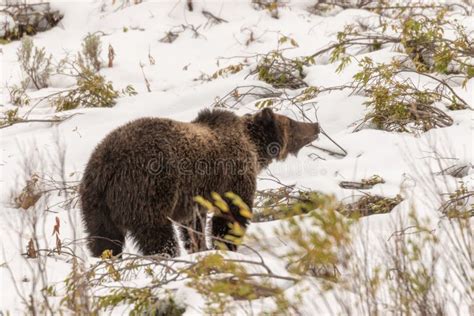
(222, 224)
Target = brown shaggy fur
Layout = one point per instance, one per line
(147, 172)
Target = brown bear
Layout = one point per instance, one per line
(144, 175)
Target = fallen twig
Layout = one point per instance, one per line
(58, 120)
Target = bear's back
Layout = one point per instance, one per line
(147, 138)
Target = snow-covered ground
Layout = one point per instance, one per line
(405, 161)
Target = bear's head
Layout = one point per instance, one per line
(281, 135)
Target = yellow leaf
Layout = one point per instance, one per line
(230, 237)
(246, 213)
(219, 202)
(203, 202)
(106, 254)
(220, 245)
(237, 229)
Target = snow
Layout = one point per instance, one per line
(404, 161)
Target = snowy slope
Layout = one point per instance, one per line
(404, 161)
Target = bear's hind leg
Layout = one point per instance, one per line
(102, 232)
(159, 240)
(104, 235)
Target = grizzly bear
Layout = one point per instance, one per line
(145, 175)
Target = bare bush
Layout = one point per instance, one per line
(34, 63)
(90, 58)
(26, 19)
(18, 96)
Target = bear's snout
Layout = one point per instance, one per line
(300, 135)
(316, 129)
(309, 131)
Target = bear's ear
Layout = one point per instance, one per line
(265, 116)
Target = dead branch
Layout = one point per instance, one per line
(364, 184)
(212, 19)
(457, 171)
(253, 91)
(147, 83)
(19, 121)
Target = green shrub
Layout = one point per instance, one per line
(142, 300)
(220, 280)
(285, 202)
(370, 205)
(397, 104)
(92, 91)
(9, 117)
(280, 71)
(424, 40)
